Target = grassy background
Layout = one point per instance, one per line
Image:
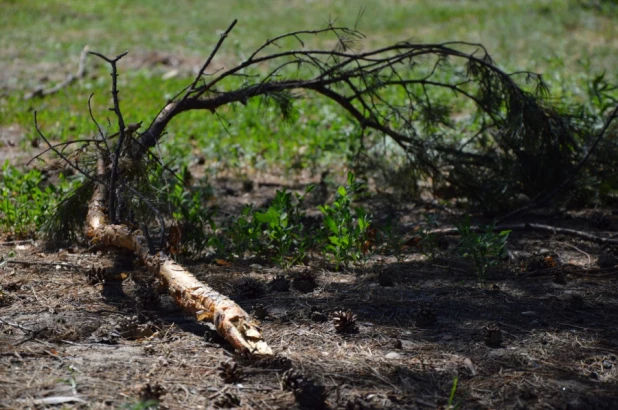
(565, 40)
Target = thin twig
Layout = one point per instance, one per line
(208, 61)
(71, 164)
(30, 241)
(71, 78)
(121, 129)
(531, 226)
(40, 263)
(578, 250)
(17, 325)
(102, 135)
(60, 144)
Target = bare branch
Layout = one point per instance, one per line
(71, 78)
(191, 88)
(53, 148)
(535, 227)
(121, 129)
(543, 199)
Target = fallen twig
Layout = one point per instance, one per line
(578, 250)
(71, 78)
(196, 298)
(532, 226)
(17, 325)
(6, 243)
(41, 263)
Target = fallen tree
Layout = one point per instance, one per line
(196, 298)
(519, 145)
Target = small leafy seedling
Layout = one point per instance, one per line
(189, 212)
(283, 228)
(453, 404)
(346, 229)
(393, 242)
(428, 243)
(26, 201)
(485, 249)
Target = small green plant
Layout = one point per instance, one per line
(284, 229)
(428, 243)
(393, 242)
(451, 403)
(189, 212)
(482, 249)
(142, 405)
(244, 233)
(71, 381)
(26, 200)
(346, 229)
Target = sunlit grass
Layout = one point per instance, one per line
(559, 38)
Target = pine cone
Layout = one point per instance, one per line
(345, 322)
(317, 315)
(148, 392)
(540, 261)
(308, 394)
(229, 372)
(260, 312)
(305, 282)
(249, 287)
(147, 295)
(98, 274)
(272, 362)
(493, 336)
(226, 401)
(425, 316)
(386, 278)
(279, 284)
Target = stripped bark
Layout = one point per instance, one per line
(204, 303)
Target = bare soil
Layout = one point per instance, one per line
(540, 332)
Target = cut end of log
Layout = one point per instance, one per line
(204, 303)
(236, 326)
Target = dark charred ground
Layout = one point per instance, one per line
(109, 345)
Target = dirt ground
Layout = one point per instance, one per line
(540, 333)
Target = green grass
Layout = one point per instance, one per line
(568, 43)
(564, 41)
(525, 33)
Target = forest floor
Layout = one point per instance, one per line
(67, 340)
(426, 334)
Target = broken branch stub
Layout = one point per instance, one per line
(204, 303)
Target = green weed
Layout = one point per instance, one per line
(240, 235)
(346, 228)
(451, 403)
(284, 229)
(27, 201)
(485, 249)
(189, 210)
(142, 405)
(277, 232)
(428, 243)
(393, 242)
